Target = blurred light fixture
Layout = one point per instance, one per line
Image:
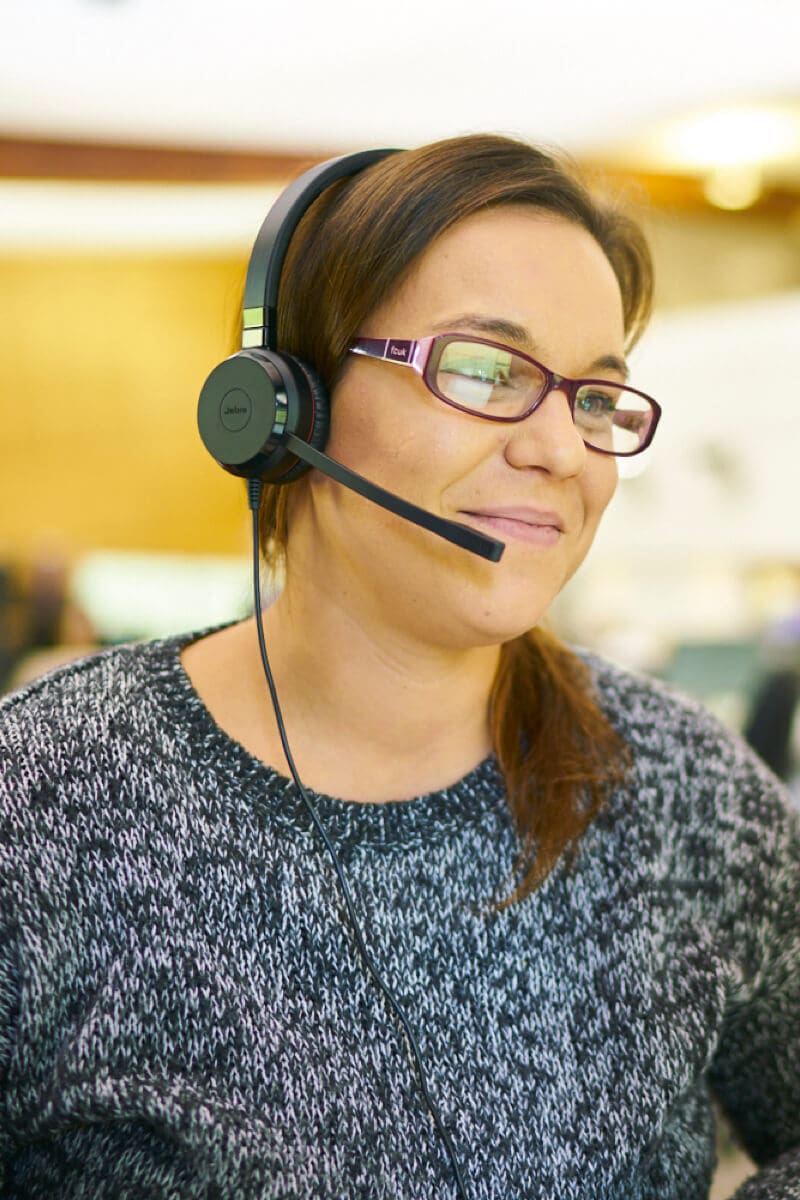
(733, 188)
(720, 144)
(732, 137)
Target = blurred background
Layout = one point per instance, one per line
(141, 144)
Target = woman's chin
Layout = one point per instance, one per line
(494, 628)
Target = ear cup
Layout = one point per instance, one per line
(247, 406)
(317, 435)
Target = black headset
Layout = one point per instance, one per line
(256, 400)
(265, 415)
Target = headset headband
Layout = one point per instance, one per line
(259, 319)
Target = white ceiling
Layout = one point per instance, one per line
(317, 74)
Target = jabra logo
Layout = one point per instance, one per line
(235, 409)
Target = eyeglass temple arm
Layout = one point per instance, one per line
(400, 350)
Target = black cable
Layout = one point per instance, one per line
(253, 497)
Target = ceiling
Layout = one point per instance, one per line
(324, 76)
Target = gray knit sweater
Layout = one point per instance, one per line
(183, 1012)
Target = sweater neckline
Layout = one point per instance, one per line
(478, 795)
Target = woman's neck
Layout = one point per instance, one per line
(372, 709)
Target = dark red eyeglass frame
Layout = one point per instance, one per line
(423, 355)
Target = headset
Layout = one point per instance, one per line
(264, 415)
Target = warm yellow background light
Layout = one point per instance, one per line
(723, 138)
(731, 137)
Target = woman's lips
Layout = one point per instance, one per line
(535, 526)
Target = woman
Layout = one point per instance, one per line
(581, 891)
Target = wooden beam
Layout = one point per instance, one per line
(110, 162)
(684, 194)
(113, 162)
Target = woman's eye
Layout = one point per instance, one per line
(596, 403)
(485, 372)
(471, 390)
(478, 376)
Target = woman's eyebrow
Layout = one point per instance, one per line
(499, 327)
(510, 331)
(611, 362)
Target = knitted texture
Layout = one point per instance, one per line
(184, 1014)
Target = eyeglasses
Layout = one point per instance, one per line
(490, 380)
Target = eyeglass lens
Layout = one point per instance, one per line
(495, 382)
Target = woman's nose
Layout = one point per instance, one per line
(548, 438)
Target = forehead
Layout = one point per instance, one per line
(519, 263)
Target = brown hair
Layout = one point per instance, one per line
(556, 749)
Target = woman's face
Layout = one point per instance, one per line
(514, 275)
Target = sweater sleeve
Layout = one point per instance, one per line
(9, 999)
(755, 1073)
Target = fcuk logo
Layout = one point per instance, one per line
(399, 350)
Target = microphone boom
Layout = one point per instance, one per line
(451, 531)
